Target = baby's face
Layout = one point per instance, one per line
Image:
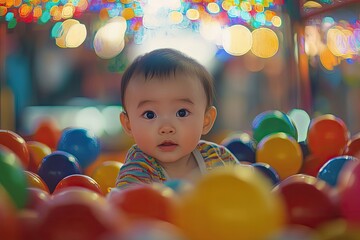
(166, 116)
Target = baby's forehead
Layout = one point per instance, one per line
(141, 78)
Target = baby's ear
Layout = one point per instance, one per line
(125, 122)
(209, 119)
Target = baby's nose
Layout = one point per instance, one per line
(167, 129)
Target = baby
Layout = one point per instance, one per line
(168, 106)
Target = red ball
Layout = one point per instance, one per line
(327, 136)
(353, 146)
(48, 133)
(78, 180)
(145, 201)
(37, 198)
(349, 191)
(9, 224)
(312, 165)
(78, 213)
(16, 144)
(309, 201)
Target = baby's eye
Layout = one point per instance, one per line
(149, 115)
(182, 113)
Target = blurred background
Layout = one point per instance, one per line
(62, 60)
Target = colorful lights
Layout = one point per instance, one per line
(246, 11)
(214, 20)
(341, 41)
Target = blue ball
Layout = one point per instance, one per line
(80, 142)
(268, 171)
(56, 166)
(305, 149)
(242, 146)
(330, 171)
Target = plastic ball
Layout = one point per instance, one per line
(312, 165)
(180, 186)
(348, 188)
(241, 145)
(230, 203)
(35, 181)
(17, 144)
(78, 180)
(327, 136)
(81, 143)
(305, 149)
(269, 122)
(268, 171)
(12, 177)
(28, 220)
(296, 232)
(152, 229)
(37, 199)
(37, 152)
(57, 166)
(309, 201)
(281, 152)
(9, 224)
(105, 175)
(47, 132)
(78, 213)
(330, 171)
(339, 229)
(353, 146)
(159, 203)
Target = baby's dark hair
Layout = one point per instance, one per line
(164, 62)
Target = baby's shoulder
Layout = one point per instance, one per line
(205, 146)
(135, 152)
(135, 156)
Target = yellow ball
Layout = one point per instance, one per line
(281, 152)
(229, 204)
(105, 175)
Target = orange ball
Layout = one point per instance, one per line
(35, 181)
(37, 152)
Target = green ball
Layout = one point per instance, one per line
(12, 177)
(272, 121)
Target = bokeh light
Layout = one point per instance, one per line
(237, 40)
(265, 43)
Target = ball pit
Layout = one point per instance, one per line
(289, 190)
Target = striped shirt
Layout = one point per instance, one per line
(141, 168)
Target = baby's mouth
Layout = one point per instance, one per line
(167, 146)
(167, 143)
